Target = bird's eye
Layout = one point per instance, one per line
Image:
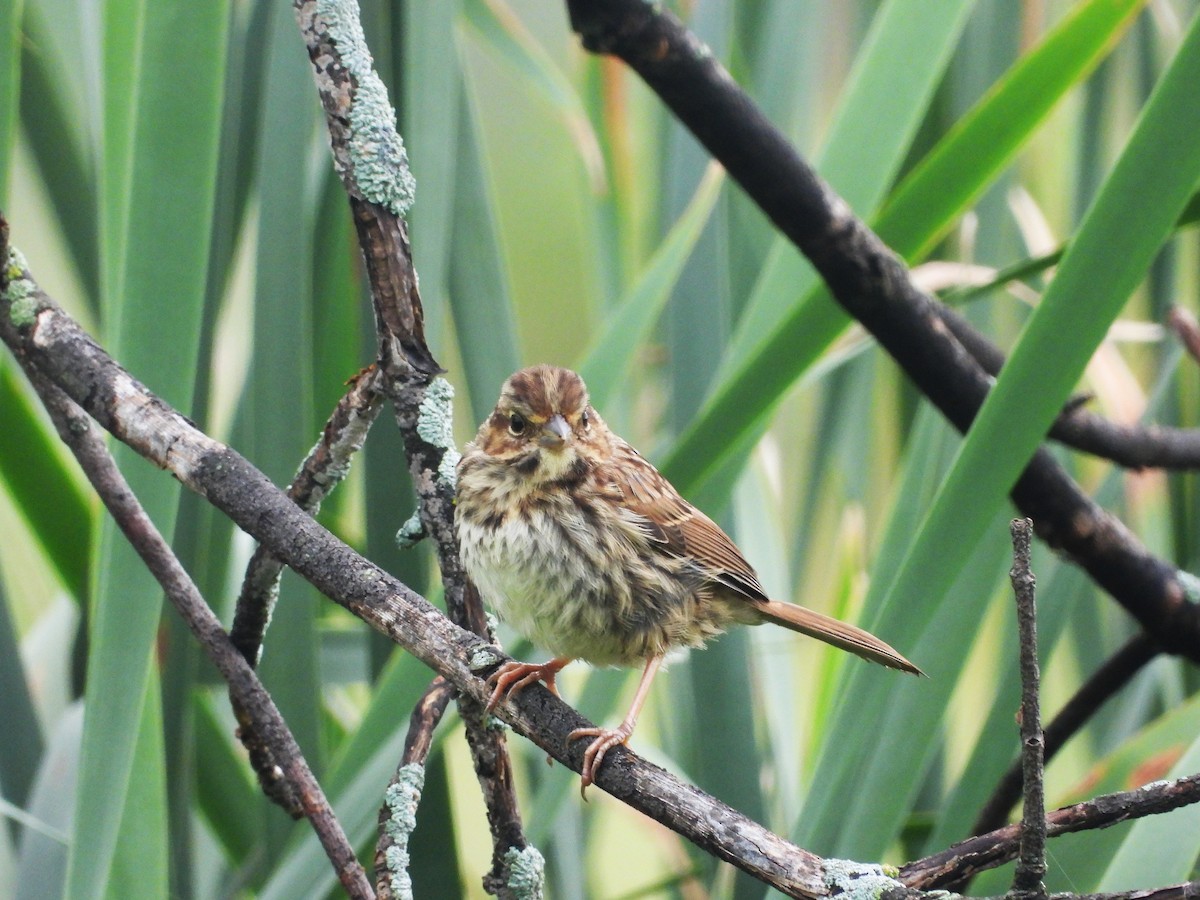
(516, 424)
(584, 419)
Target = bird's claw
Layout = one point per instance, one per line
(513, 677)
(605, 740)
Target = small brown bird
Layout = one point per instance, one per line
(584, 548)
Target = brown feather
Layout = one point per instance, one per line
(832, 631)
(682, 529)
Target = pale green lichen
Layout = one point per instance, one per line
(858, 881)
(411, 532)
(435, 421)
(377, 153)
(21, 292)
(401, 800)
(1191, 585)
(483, 658)
(526, 873)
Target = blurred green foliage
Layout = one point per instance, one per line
(165, 170)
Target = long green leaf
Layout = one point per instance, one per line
(21, 738)
(608, 361)
(895, 75)
(43, 485)
(10, 88)
(59, 113)
(770, 356)
(1136, 210)
(983, 142)
(160, 150)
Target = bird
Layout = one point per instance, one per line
(587, 550)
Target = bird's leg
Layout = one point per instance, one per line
(607, 738)
(513, 677)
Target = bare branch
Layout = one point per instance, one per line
(873, 286)
(288, 766)
(322, 470)
(986, 851)
(1031, 860)
(1103, 684)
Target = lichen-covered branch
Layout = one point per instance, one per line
(369, 156)
(322, 470)
(292, 779)
(398, 814)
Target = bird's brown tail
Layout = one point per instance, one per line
(831, 631)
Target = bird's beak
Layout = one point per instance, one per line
(555, 433)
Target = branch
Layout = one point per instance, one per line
(1104, 683)
(397, 817)
(322, 470)
(1131, 446)
(46, 340)
(1031, 859)
(986, 851)
(369, 156)
(873, 286)
(255, 706)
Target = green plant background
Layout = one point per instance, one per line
(166, 173)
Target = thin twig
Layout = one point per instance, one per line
(1185, 326)
(397, 815)
(322, 470)
(289, 765)
(1031, 860)
(1106, 681)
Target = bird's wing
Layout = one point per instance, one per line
(674, 524)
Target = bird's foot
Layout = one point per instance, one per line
(604, 740)
(513, 677)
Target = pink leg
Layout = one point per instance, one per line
(513, 677)
(607, 738)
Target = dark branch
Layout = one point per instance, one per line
(322, 470)
(1095, 692)
(1131, 446)
(873, 286)
(1031, 859)
(986, 851)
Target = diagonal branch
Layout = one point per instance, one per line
(254, 704)
(986, 851)
(873, 286)
(45, 340)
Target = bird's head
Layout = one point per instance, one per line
(543, 427)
